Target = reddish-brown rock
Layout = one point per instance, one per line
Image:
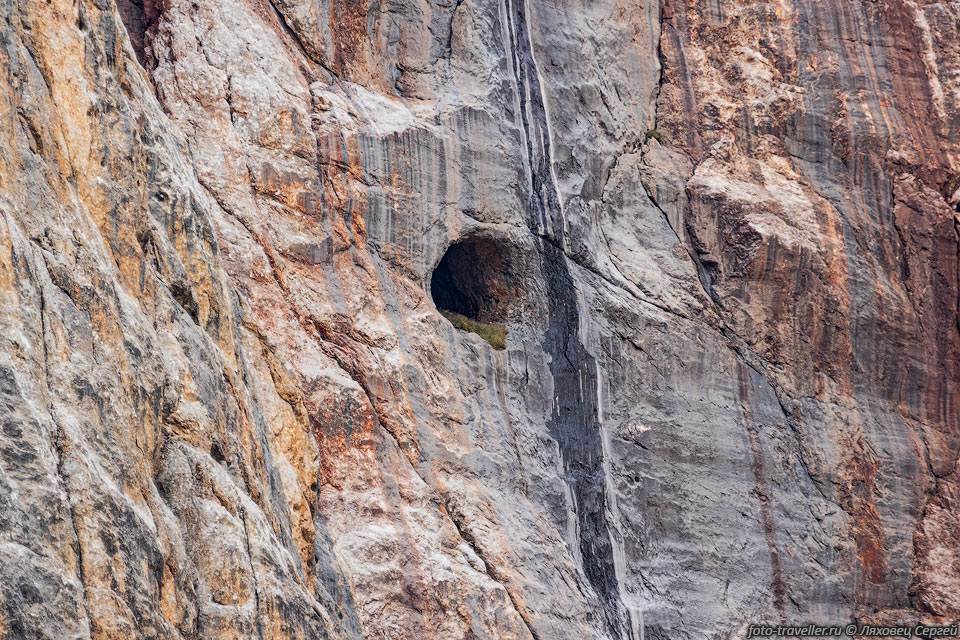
(723, 238)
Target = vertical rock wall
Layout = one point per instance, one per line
(233, 410)
(157, 476)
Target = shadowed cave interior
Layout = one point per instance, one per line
(472, 280)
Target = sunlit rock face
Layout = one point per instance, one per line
(722, 236)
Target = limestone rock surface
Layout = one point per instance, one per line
(726, 241)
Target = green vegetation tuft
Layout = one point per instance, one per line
(655, 134)
(495, 334)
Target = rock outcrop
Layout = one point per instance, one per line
(723, 238)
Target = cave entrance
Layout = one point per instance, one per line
(473, 279)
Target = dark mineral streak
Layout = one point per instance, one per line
(574, 422)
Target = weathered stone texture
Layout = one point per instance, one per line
(231, 409)
(158, 477)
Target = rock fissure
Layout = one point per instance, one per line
(580, 262)
(253, 573)
(491, 569)
(298, 42)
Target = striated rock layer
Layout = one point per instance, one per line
(723, 237)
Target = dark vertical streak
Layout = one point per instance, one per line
(574, 422)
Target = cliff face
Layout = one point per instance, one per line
(156, 468)
(723, 238)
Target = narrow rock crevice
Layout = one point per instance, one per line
(491, 569)
(140, 17)
(301, 47)
(253, 573)
(703, 275)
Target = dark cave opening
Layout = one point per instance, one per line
(473, 279)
